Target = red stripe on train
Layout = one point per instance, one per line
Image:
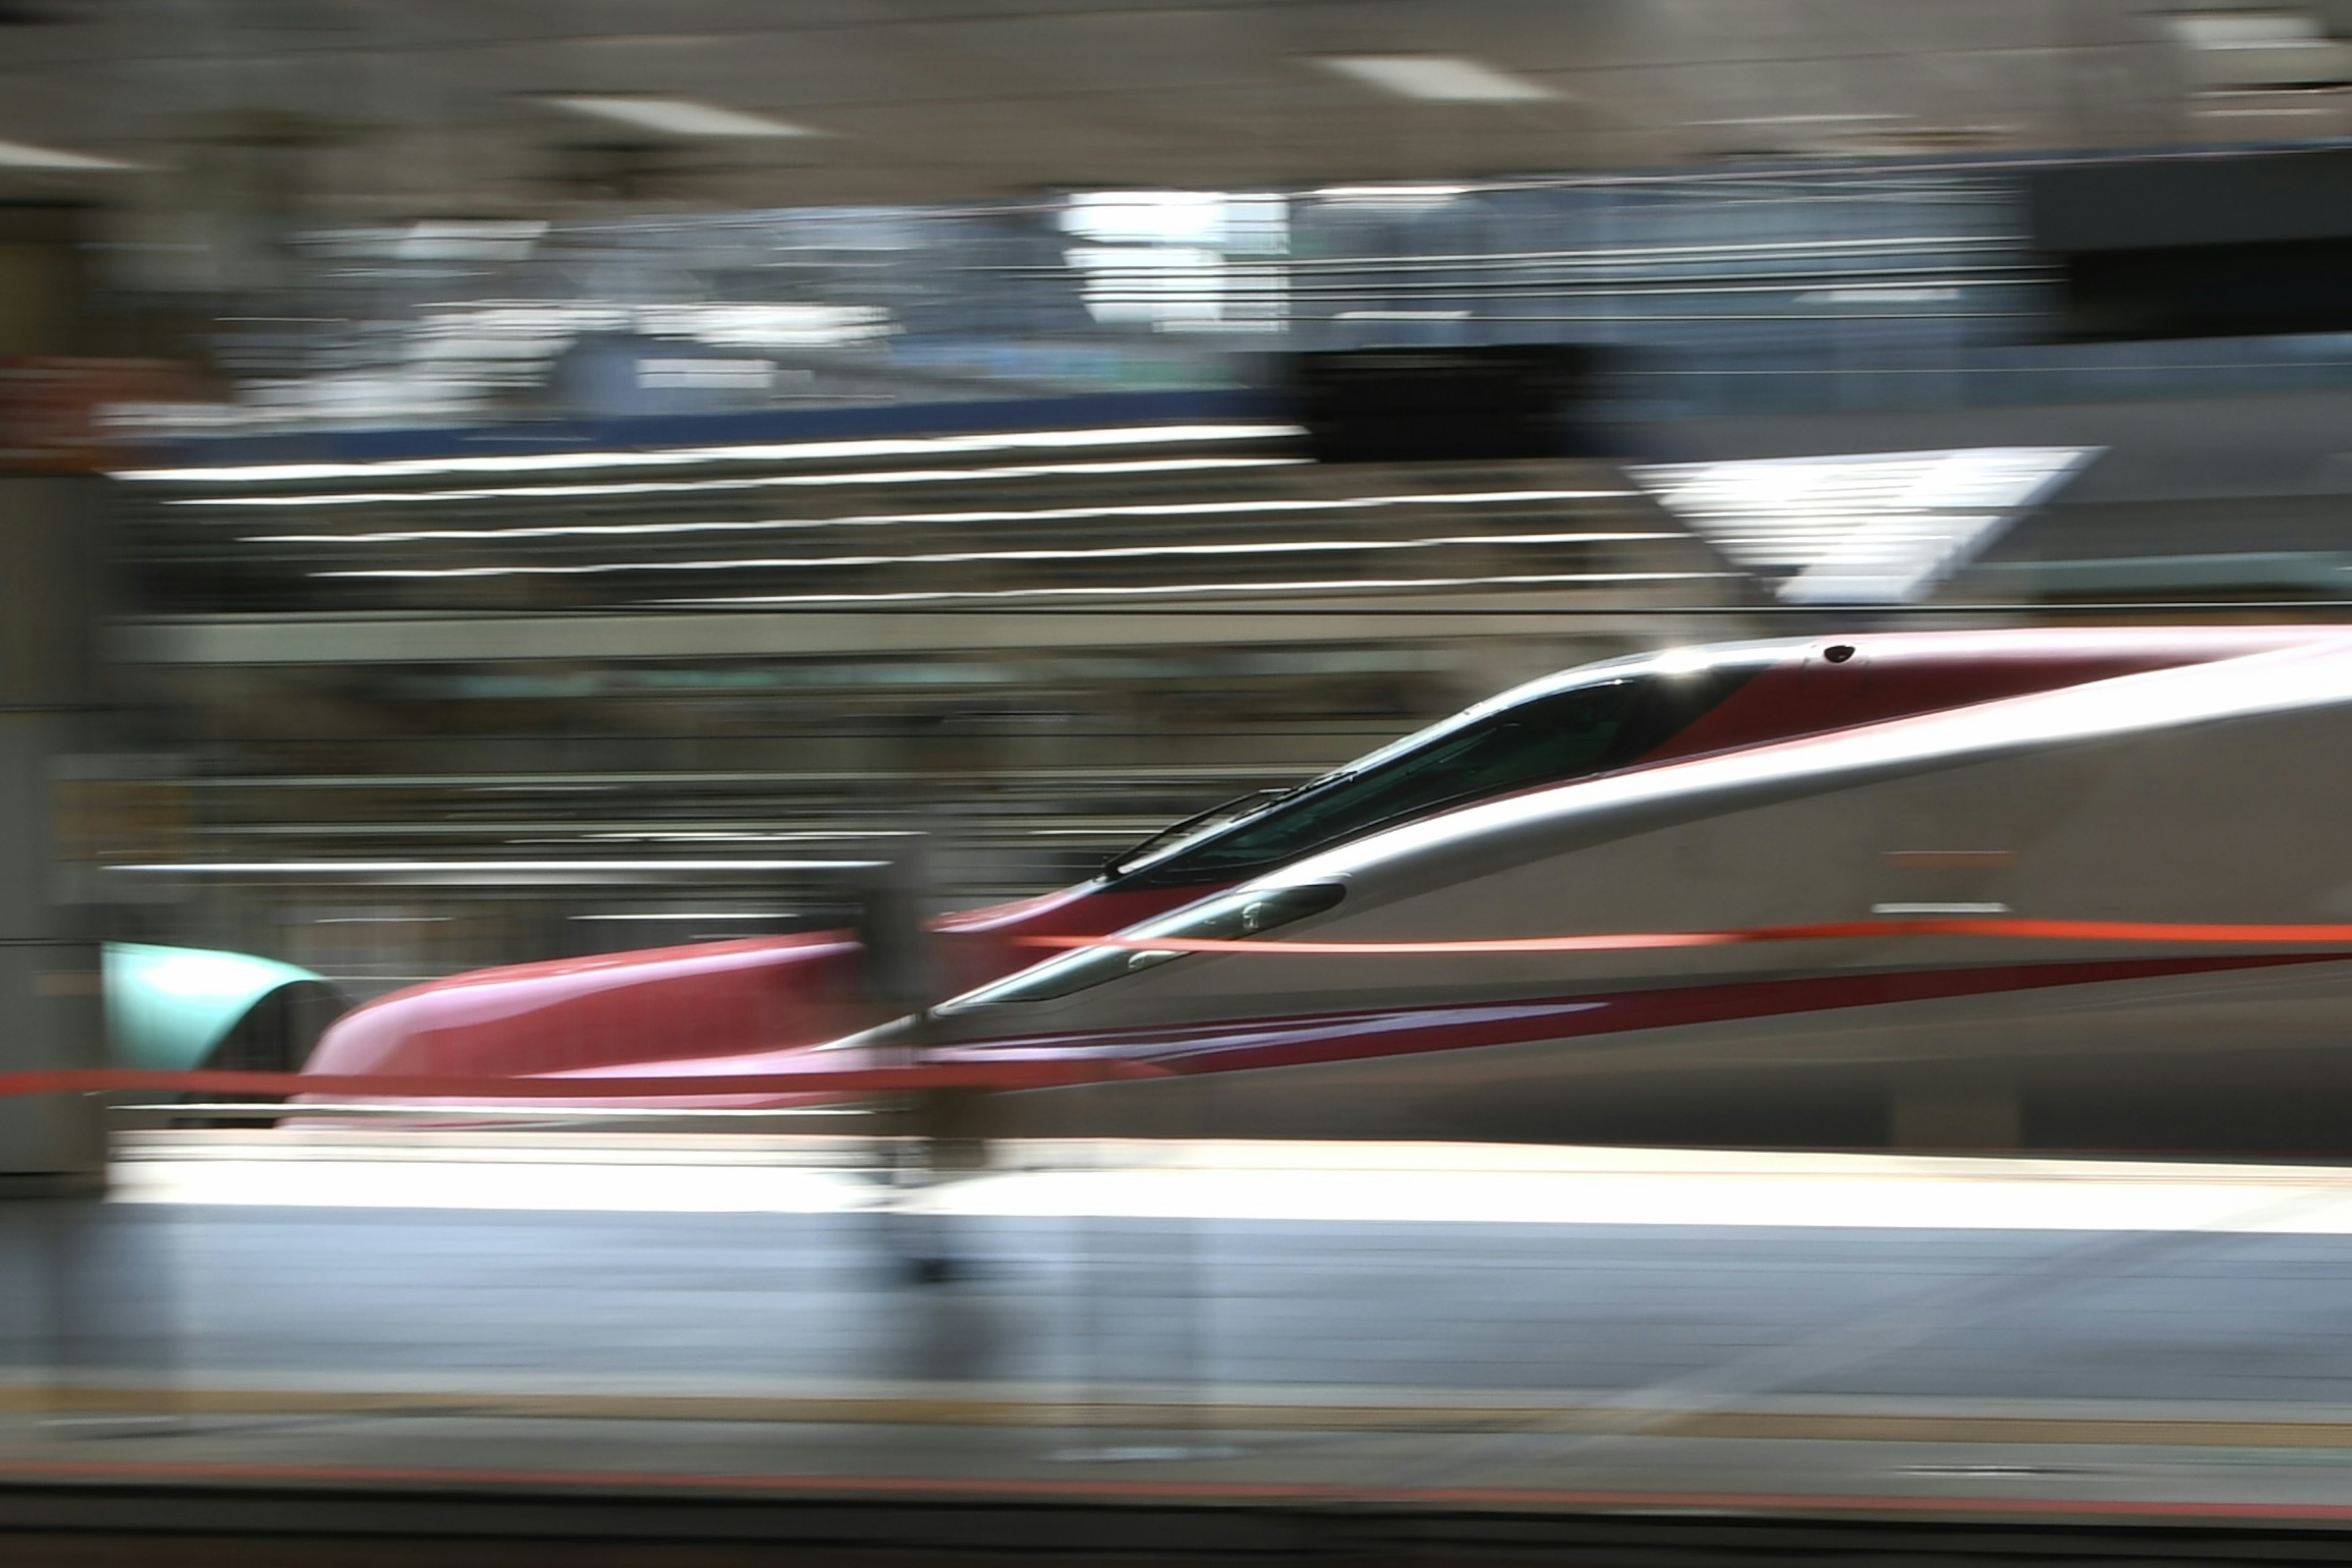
(1308, 1040)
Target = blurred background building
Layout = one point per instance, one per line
(643, 433)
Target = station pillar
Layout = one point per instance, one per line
(51, 1009)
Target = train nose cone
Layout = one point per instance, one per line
(665, 1004)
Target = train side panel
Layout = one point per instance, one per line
(2232, 820)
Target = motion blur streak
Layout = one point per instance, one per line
(881, 520)
(497, 868)
(2041, 931)
(762, 481)
(1112, 553)
(1165, 590)
(789, 452)
(1336, 1183)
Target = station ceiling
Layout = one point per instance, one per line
(381, 109)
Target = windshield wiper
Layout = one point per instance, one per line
(1264, 797)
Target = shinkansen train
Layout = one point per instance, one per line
(2117, 915)
(1765, 893)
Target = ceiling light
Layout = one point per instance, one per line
(687, 915)
(24, 155)
(891, 519)
(1801, 119)
(761, 481)
(2269, 111)
(382, 920)
(787, 452)
(1437, 79)
(677, 116)
(2277, 49)
(2245, 29)
(972, 557)
(1165, 590)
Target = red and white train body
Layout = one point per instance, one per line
(2189, 776)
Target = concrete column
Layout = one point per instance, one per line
(51, 1013)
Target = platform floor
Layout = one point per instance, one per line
(1192, 1321)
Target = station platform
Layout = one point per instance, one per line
(1259, 1326)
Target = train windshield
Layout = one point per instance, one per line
(1605, 723)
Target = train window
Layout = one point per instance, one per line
(1238, 915)
(1564, 735)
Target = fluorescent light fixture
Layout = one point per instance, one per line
(2286, 49)
(1212, 590)
(24, 155)
(687, 915)
(382, 920)
(1437, 79)
(682, 456)
(1880, 528)
(978, 557)
(677, 116)
(1801, 119)
(2245, 29)
(885, 519)
(760, 481)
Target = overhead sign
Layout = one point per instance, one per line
(1879, 528)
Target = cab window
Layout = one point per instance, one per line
(1565, 735)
